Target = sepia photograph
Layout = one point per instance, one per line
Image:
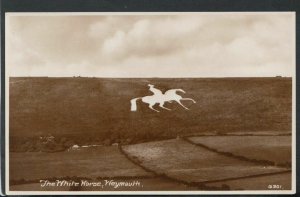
(156, 102)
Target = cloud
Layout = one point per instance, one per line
(191, 45)
(151, 37)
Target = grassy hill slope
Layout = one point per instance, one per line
(90, 110)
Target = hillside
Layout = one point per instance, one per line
(92, 110)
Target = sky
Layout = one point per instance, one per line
(151, 45)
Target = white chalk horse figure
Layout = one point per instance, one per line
(160, 98)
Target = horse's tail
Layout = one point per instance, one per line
(133, 103)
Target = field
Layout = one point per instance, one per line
(87, 163)
(184, 161)
(276, 149)
(172, 164)
(148, 184)
(259, 183)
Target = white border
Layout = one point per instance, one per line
(252, 192)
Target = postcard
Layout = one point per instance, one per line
(150, 103)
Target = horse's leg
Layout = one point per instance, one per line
(178, 101)
(151, 107)
(162, 106)
(189, 99)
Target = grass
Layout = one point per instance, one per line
(184, 161)
(272, 148)
(259, 183)
(36, 187)
(88, 162)
(178, 159)
(92, 110)
(149, 184)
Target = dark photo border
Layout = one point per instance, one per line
(141, 6)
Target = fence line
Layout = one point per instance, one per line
(239, 157)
